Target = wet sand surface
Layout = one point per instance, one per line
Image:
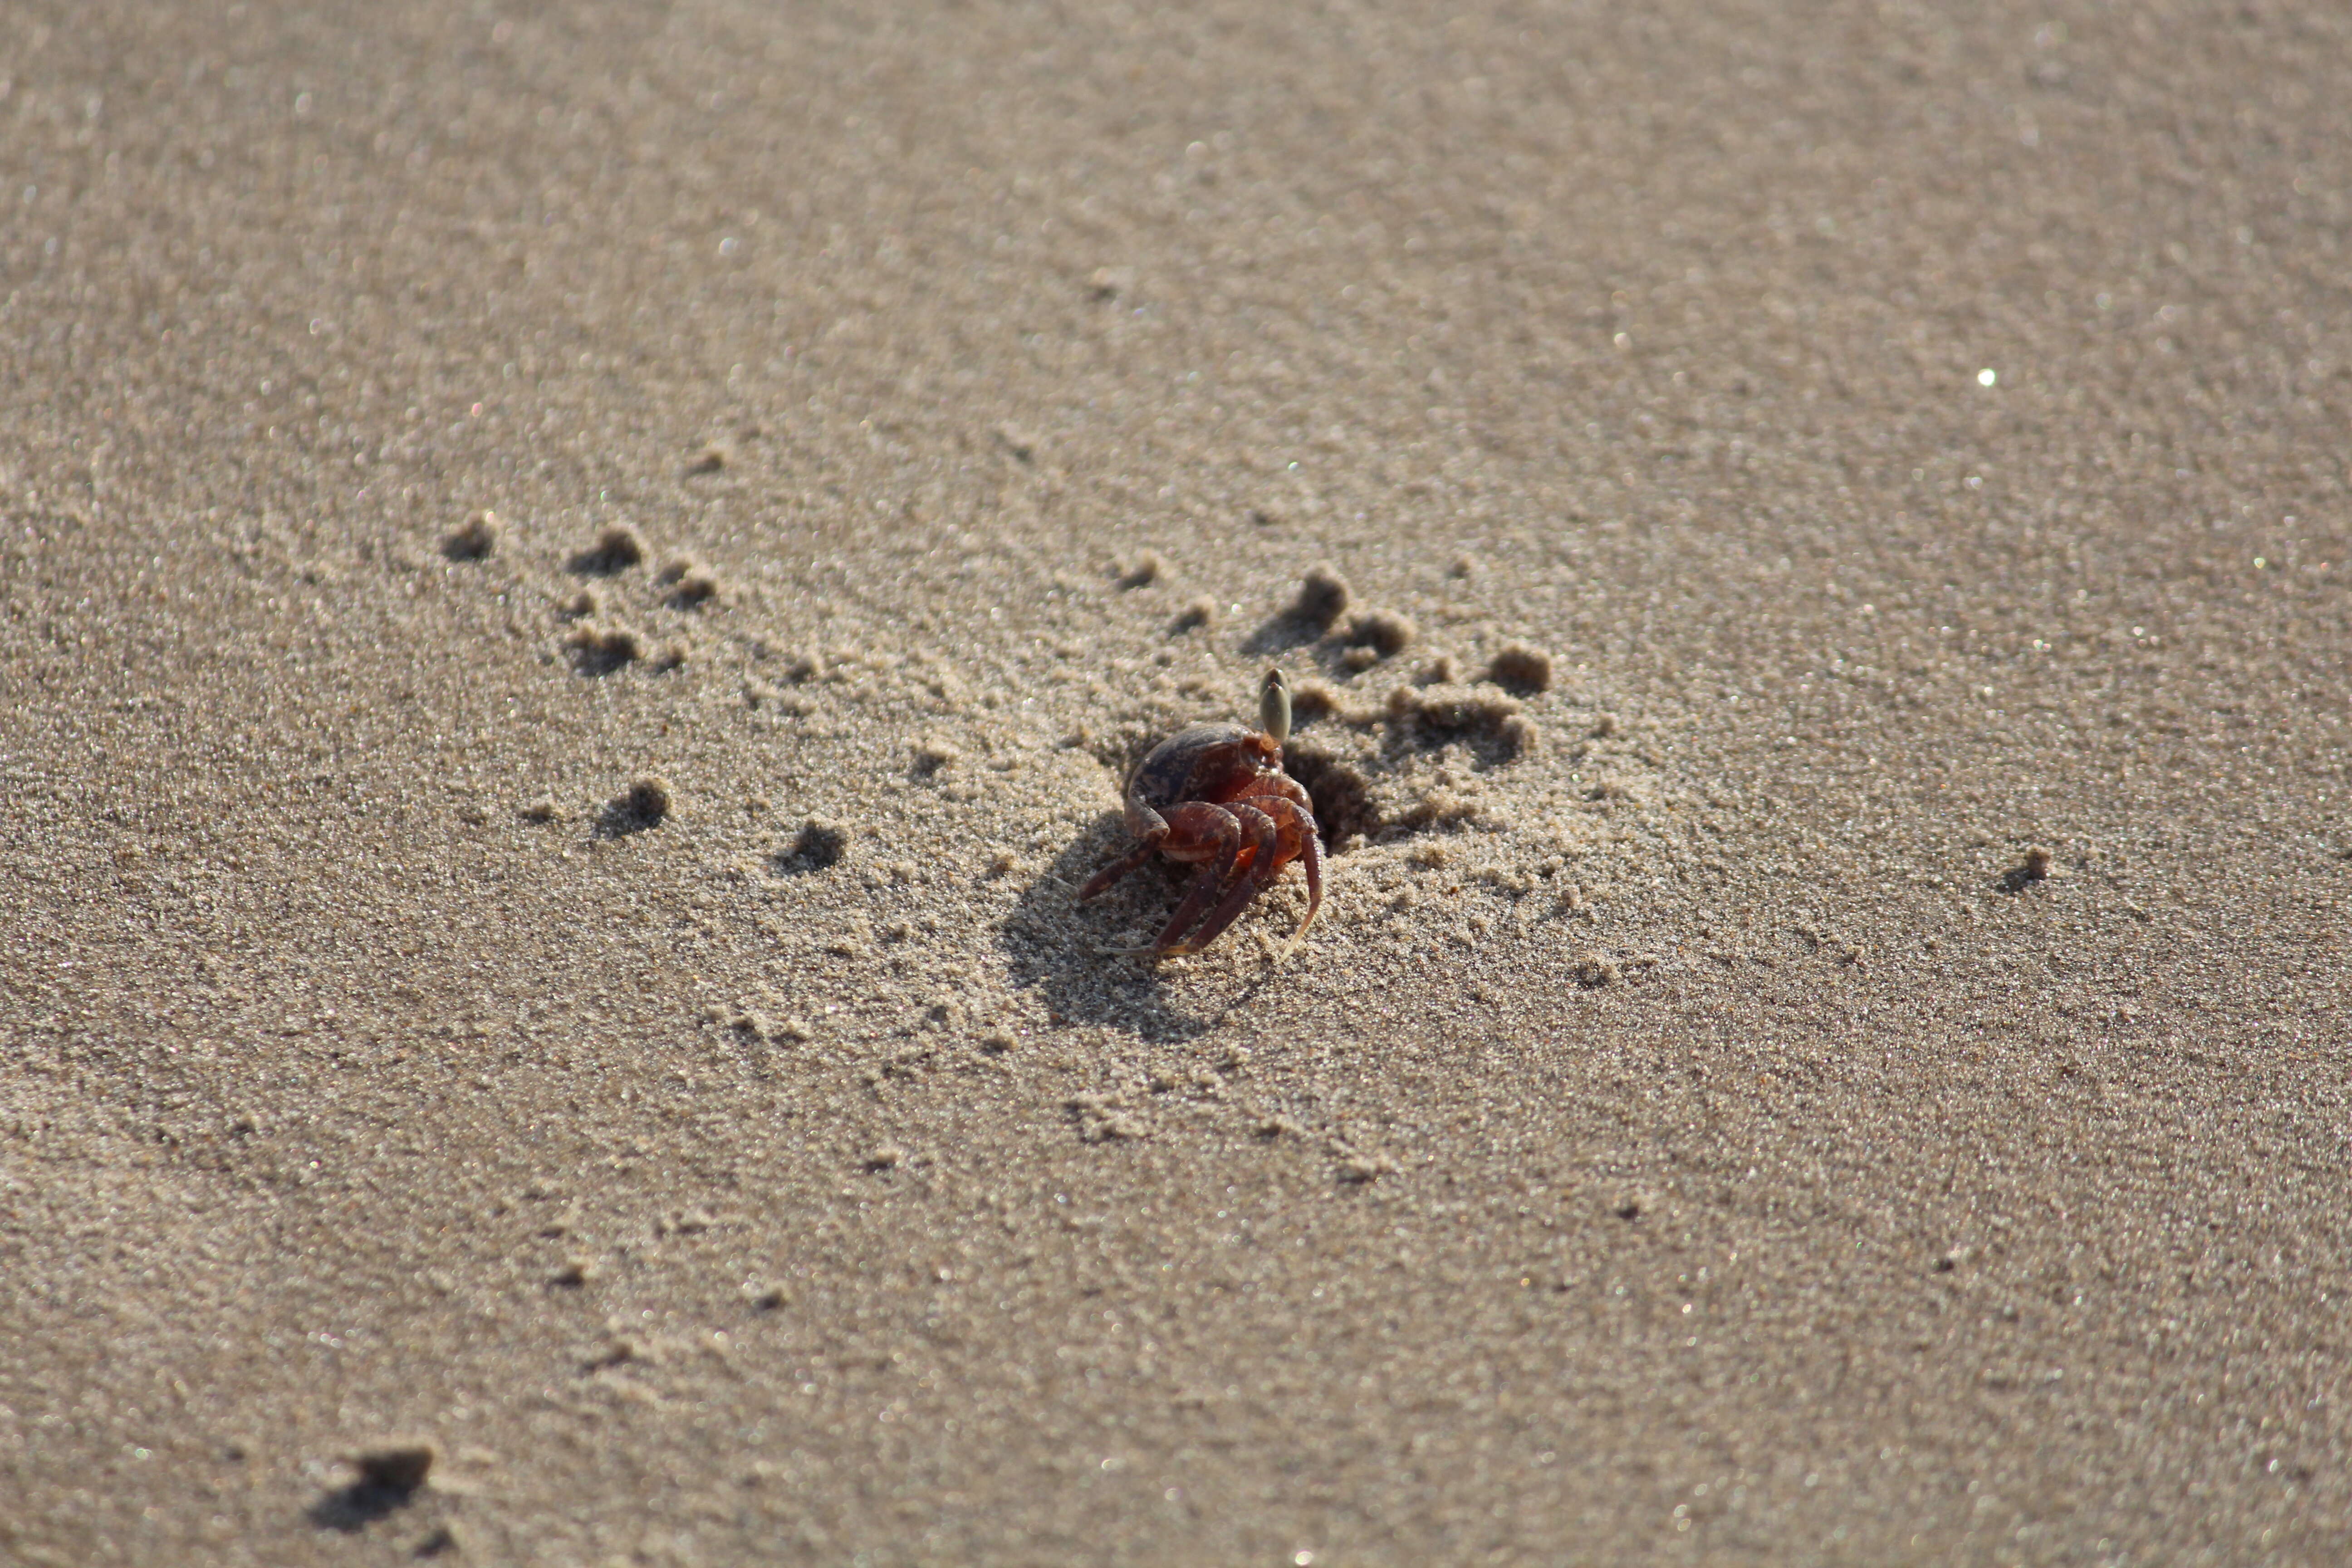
(1825, 1039)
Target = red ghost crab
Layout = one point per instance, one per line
(1215, 795)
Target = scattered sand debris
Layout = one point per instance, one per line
(647, 803)
(1385, 633)
(1311, 700)
(1201, 612)
(1102, 1119)
(400, 1466)
(599, 649)
(819, 845)
(1361, 1170)
(758, 694)
(474, 538)
(1394, 778)
(617, 548)
(388, 1476)
(1147, 568)
(1322, 598)
(649, 796)
(1594, 971)
(621, 1352)
(1521, 670)
(2035, 868)
(1435, 715)
(691, 583)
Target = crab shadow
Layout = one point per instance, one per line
(1052, 944)
(348, 1509)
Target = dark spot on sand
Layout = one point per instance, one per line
(647, 803)
(388, 1479)
(474, 538)
(1521, 670)
(1437, 716)
(818, 846)
(1383, 632)
(2035, 868)
(1594, 972)
(691, 583)
(601, 651)
(574, 1275)
(1322, 598)
(1341, 795)
(617, 549)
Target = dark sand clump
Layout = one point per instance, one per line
(1322, 598)
(617, 548)
(474, 538)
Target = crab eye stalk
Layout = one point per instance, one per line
(1274, 706)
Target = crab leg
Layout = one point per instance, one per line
(1102, 880)
(1210, 834)
(1265, 864)
(1300, 842)
(1285, 799)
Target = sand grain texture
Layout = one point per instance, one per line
(1826, 1038)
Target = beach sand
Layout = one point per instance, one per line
(1825, 1039)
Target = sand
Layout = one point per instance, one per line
(564, 1035)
